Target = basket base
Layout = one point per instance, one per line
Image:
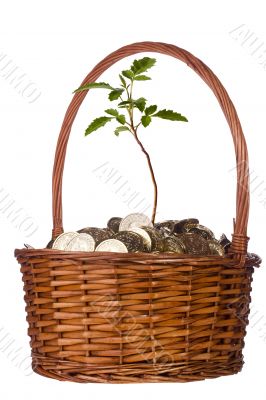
(140, 373)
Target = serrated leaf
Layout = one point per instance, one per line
(123, 106)
(94, 85)
(121, 118)
(128, 74)
(122, 80)
(170, 115)
(142, 65)
(140, 103)
(112, 111)
(115, 94)
(142, 78)
(120, 129)
(145, 120)
(126, 102)
(96, 124)
(150, 110)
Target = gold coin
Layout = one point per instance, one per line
(166, 227)
(113, 224)
(216, 247)
(173, 245)
(99, 235)
(203, 231)
(145, 236)
(225, 243)
(185, 224)
(133, 241)
(157, 244)
(194, 244)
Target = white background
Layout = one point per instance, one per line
(56, 44)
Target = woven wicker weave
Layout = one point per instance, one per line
(111, 317)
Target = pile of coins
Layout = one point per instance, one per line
(135, 233)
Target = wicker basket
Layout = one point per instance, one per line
(124, 318)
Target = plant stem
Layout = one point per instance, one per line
(131, 105)
(134, 131)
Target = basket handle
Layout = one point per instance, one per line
(239, 238)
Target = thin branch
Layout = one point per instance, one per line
(155, 188)
(133, 130)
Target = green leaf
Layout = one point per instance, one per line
(115, 94)
(142, 65)
(150, 110)
(145, 120)
(112, 111)
(121, 118)
(125, 103)
(94, 85)
(170, 115)
(140, 103)
(124, 84)
(96, 124)
(128, 74)
(142, 78)
(120, 129)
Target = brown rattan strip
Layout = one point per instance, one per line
(114, 319)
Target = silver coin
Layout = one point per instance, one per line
(62, 240)
(112, 245)
(82, 242)
(135, 220)
(145, 236)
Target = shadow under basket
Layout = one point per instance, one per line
(140, 317)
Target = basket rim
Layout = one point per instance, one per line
(251, 259)
(99, 254)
